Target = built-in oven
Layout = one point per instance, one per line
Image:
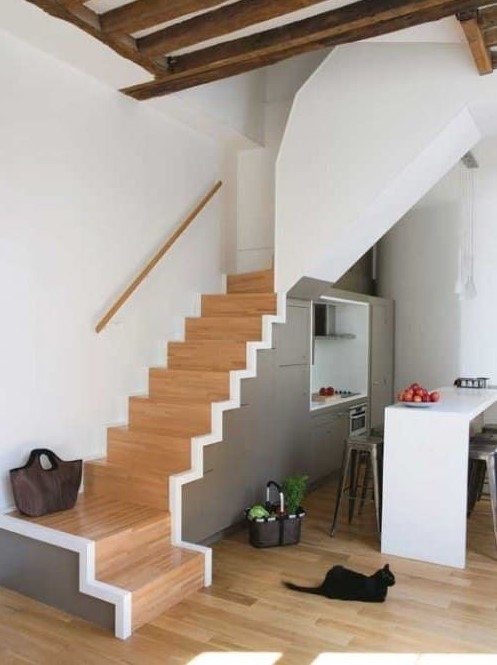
(358, 420)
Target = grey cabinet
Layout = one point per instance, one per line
(291, 419)
(328, 434)
(381, 359)
(292, 340)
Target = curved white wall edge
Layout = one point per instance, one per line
(120, 598)
(198, 443)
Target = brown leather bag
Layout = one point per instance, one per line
(38, 491)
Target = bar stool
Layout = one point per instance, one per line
(360, 450)
(483, 460)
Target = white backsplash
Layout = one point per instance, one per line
(343, 363)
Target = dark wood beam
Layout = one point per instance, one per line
(143, 14)
(351, 23)
(222, 21)
(89, 21)
(488, 17)
(490, 36)
(474, 35)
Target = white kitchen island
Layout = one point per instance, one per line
(425, 476)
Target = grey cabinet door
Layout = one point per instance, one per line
(381, 361)
(328, 437)
(293, 338)
(291, 420)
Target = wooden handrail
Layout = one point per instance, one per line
(156, 258)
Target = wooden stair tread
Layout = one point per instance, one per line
(238, 304)
(138, 574)
(144, 437)
(207, 385)
(260, 281)
(98, 517)
(232, 328)
(159, 402)
(104, 463)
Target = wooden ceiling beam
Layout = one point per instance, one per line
(350, 23)
(490, 36)
(221, 21)
(89, 21)
(72, 3)
(474, 35)
(143, 14)
(488, 17)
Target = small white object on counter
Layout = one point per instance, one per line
(425, 476)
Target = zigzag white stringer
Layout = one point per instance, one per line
(177, 481)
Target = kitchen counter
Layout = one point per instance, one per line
(425, 476)
(339, 401)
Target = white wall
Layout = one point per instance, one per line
(256, 166)
(90, 184)
(439, 336)
(228, 108)
(363, 144)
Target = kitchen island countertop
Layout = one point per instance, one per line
(425, 476)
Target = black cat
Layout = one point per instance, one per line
(346, 584)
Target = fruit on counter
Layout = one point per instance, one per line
(327, 392)
(417, 393)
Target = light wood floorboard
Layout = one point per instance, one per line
(431, 609)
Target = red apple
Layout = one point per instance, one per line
(434, 396)
(330, 391)
(408, 395)
(322, 392)
(417, 398)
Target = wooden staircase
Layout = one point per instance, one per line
(124, 508)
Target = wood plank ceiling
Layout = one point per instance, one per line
(184, 43)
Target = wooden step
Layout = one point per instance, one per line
(148, 450)
(248, 304)
(217, 355)
(261, 281)
(97, 517)
(150, 414)
(129, 546)
(133, 485)
(181, 385)
(159, 582)
(235, 328)
(122, 531)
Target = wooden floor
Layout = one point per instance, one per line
(431, 609)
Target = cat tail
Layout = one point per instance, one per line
(305, 589)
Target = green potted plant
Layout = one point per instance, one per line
(279, 523)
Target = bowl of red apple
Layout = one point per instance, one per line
(417, 395)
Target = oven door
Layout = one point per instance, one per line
(358, 420)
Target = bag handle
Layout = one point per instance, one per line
(35, 457)
(273, 483)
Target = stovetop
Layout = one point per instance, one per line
(346, 393)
